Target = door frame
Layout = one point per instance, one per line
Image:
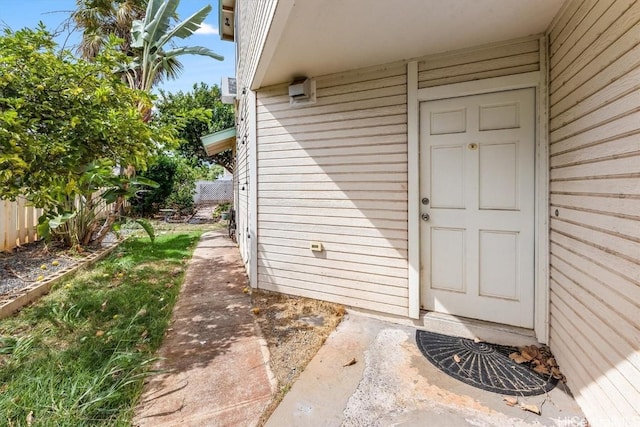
(536, 80)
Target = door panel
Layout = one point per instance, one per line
(447, 259)
(498, 169)
(498, 264)
(447, 193)
(477, 158)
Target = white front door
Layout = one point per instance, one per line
(477, 170)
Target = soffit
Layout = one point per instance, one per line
(324, 37)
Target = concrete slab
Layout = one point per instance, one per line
(214, 362)
(393, 384)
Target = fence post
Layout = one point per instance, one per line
(4, 207)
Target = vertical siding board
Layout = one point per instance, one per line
(595, 191)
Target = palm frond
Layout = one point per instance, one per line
(170, 70)
(193, 50)
(187, 27)
(158, 24)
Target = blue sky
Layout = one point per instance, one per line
(18, 14)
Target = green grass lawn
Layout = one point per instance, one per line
(79, 356)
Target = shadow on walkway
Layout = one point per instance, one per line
(214, 363)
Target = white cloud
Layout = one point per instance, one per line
(206, 29)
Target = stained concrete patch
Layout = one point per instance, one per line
(393, 393)
(393, 384)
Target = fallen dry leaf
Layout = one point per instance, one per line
(527, 354)
(541, 369)
(103, 306)
(255, 310)
(516, 357)
(245, 290)
(510, 400)
(142, 312)
(351, 362)
(456, 358)
(30, 418)
(99, 333)
(477, 340)
(531, 408)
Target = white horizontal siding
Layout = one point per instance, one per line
(254, 18)
(514, 57)
(336, 172)
(241, 177)
(595, 205)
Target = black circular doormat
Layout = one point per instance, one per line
(482, 365)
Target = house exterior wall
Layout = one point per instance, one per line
(241, 178)
(499, 59)
(594, 61)
(336, 172)
(252, 27)
(252, 23)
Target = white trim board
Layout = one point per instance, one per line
(536, 79)
(477, 87)
(253, 188)
(413, 168)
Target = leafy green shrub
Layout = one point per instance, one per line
(220, 209)
(176, 186)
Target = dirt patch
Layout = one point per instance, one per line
(295, 328)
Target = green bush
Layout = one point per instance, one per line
(176, 186)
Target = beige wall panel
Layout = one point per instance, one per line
(336, 172)
(582, 104)
(613, 22)
(515, 57)
(595, 200)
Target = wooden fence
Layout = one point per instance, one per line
(17, 223)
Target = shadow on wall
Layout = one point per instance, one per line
(336, 173)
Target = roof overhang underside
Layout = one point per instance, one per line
(312, 38)
(218, 142)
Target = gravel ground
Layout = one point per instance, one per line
(31, 263)
(34, 262)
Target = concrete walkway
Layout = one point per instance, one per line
(216, 369)
(215, 364)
